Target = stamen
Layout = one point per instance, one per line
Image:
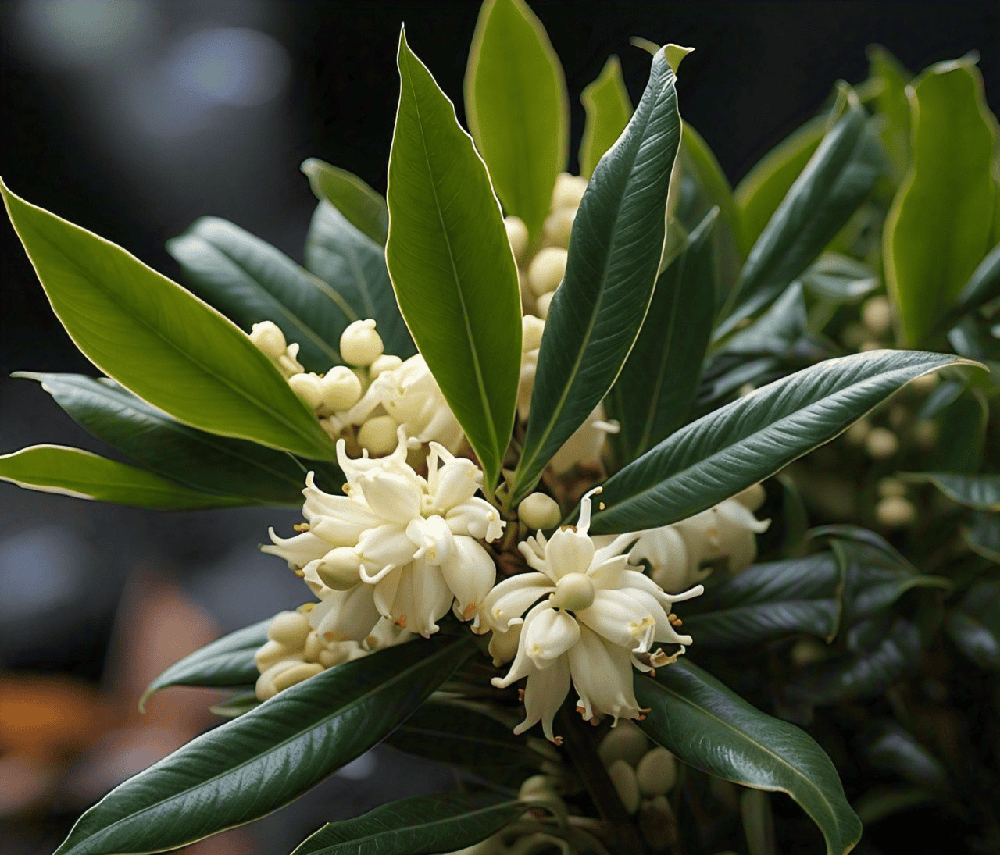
(300, 527)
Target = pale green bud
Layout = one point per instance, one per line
(296, 674)
(360, 344)
(268, 338)
(546, 270)
(290, 629)
(341, 388)
(656, 772)
(379, 435)
(308, 388)
(539, 511)
(623, 777)
(517, 236)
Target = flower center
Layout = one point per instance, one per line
(574, 591)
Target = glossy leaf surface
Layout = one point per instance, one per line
(360, 204)
(608, 109)
(160, 341)
(974, 491)
(517, 108)
(713, 729)
(451, 264)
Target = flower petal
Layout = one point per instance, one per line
(543, 695)
(602, 676)
(512, 597)
(550, 634)
(470, 574)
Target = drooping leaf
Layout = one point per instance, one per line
(421, 825)
(363, 207)
(657, 384)
(750, 439)
(940, 225)
(74, 472)
(248, 280)
(355, 267)
(983, 536)
(974, 491)
(225, 662)
(836, 180)
(608, 109)
(193, 458)
(982, 287)
(974, 624)
(252, 765)
(451, 264)
(614, 255)
(889, 748)
(517, 108)
(838, 279)
(713, 729)
(160, 341)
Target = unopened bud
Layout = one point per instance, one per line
(881, 443)
(877, 315)
(290, 629)
(625, 741)
(265, 687)
(532, 329)
(656, 772)
(558, 227)
(542, 306)
(546, 270)
(379, 435)
(752, 497)
(890, 486)
(386, 362)
(568, 190)
(537, 786)
(517, 236)
(360, 344)
(313, 647)
(341, 388)
(925, 433)
(857, 433)
(539, 511)
(807, 651)
(296, 674)
(268, 338)
(270, 653)
(895, 512)
(340, 568)
(308, 388)
(623, 777)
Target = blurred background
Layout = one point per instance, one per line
(134, 117)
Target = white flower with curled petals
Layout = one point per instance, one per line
(590, 619)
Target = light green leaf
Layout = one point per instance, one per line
(940, 225)
(750, 439)
(614, 255)
(517, 108)
(74, 472)
(713, 729)
(160, 341)
(892, 108)
(608, 109)
(974, 491)
(451, 264)
(269, 756)
(363, 207)
(421, 825)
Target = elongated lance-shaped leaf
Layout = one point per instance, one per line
(265, 758)
(517, 108)
(451, 264)
(159, 340)
(225, 662)
(750, 439)
(248, 280)
(835, 181)
(191, 457)
(608, 110)
(74, 472)
(974, 491)
(360, 204)
(421, 825)
(705, 724)
(982, 287)
(614, 254)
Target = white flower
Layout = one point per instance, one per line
(590, 619)
(397, 545)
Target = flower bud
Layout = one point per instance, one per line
(517, 236)
(341, 388)
(752, 497)
(270, 654)
(895, 512)
(378, 435)
(537, 786)
(313, 647)
(558, 227)
(625, 741)
(360, 344)
(574, 591)
(386, 362)
(542, 306)
(265, 687)
(568, 190)
(890, 486)
(656, 772)
(308, 388)
(539, 511)
(532, 329)
(881, 443)
(268, 338)
(296, 674)
(290, 629)
(623, 777)
(925, 433)
(288, 363)
(339, 568)
(877, 315)
(858, 432)
(546, 270)
(807, 651)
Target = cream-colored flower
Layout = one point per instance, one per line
(590, 619)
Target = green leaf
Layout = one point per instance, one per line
(608, 109)
(657, 384)
(517, 108)
(363, 207)
(982, 287)
(974, 491)
(750, 439)
(421, 825)
(254, 764)
(768, 601)
(614, 255)
(983, 536)
(833, 184)
(248, 280)
(974, 624)
(963, 422)
(160, 341)
(940, 224)
(225, 662)
(893, 750)
(451, 264)
(892, 108)
(840, 279)
(195, 459)
(73, 472)
(346, 259)
(711, 728)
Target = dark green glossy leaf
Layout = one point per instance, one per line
(160, 341)
(451, 264)
(421, 825)
(73, 472)
(249, 281)
(941, 222)
(227, 661)
(983, 536)
(891, 749)
(252, 765)
(614, 256)
(974, 624)
(193, 458)
(608, 109)
(833, 184)
(235, 705)
(657, 384)
(964, 423)
(750, 439)
(713, 729)
(840, 279)
(363, 207)
(974, 491)
(517, 108)
(982, 287)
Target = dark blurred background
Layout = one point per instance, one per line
(133, 118)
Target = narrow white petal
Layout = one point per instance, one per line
(512, 597)
(543, 695)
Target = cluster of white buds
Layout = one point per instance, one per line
(590, 619)
(677, 554)
(270, 340)
(295, 652)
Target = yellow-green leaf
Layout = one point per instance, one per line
(608, 110)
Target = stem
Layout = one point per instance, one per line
(579, 745)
